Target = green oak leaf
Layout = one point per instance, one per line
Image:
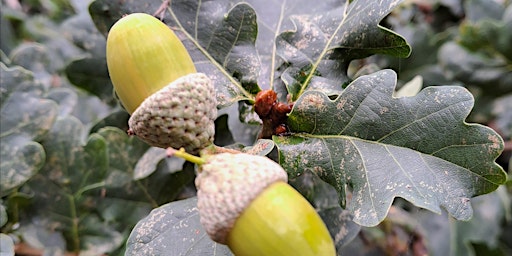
(21, 159)
(91, 74)
(418, 148)
(223, 136)
(66, 187)
(72, 164)
(482, 55)
(66, 99)
(492, 75)
(318, 51)
(3, 214)
(141, 174)
(175, 228)
(485, 227)
(274, 18)
(17, 79)
(28, 115)
(26, 118)
(117, 118)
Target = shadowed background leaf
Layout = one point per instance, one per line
(22, 126)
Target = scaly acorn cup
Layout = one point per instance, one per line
(245, 202)
(180, 115)
(155, 79)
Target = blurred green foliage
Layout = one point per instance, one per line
(72, 180)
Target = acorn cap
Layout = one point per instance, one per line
(180, 115)
(227, 184)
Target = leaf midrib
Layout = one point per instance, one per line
(351, 139)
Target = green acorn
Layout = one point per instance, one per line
(156, 81)
(246, 203)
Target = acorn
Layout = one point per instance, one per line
(154, 77)
(245, 202)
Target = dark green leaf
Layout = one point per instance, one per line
(26, 118)
(483, 55)
(224, 37)
(425, 42)
(21, 159)
(124, 151)
(384, 147)
(173, 229)
(491, 36)
(90, 109)
(25, 114)
(113, 211)
(97, 238)
(36, 58)
(242, 129)
(72, 172)
(493, 75)
(17, 79)
(274, 17)
(223, 136)
(484, 227)
(3, 214)
(81, 30)
(70, 164)
(446, 236)
(117, 119)
(147, 164)
(502, 110)
(317, 52)
(139, 175)
(91, 74)
(66, 99)
(105, 13)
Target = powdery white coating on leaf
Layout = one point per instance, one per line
(144, 235)
(181, 114)
(227, 184)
